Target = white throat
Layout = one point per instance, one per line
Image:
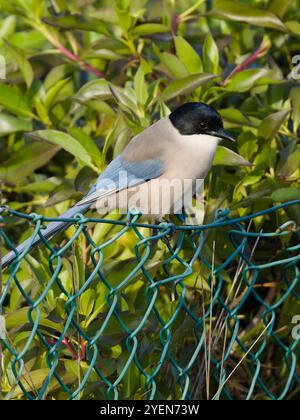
(194, 155)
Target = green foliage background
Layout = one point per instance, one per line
(84, 76)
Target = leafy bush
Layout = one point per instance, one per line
(85, 76)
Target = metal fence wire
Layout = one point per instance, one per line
(127, 310)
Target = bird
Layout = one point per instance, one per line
(180, 146)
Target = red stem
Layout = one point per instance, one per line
(65, 341)
(83, 350)
(73, 57)
(70, 348)
(245, 63)
(174, 24)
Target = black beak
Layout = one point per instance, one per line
(222, 134)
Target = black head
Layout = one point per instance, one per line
(198, 118)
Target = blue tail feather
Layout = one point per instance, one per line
(52, 229)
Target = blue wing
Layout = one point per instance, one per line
(121, 174)
(118, 175)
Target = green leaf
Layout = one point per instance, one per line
(84, 179)
(295, 98)
(87, 302)
(124, 98)
(96, 89)
(78, 22)
(29, 40)
(240, 190)
(191, 9)
(88, 144)
(53, 92)
(234, 116)
(64, 191)
(102, 53)
(23, 64)
(7, 26)
(188, 56)
(12, 8)
(19, 319)
(140, 86)
(10, 124)
(186, 85)
(123, 13)
(66, 142)
(56, 74)
(239, 12)
(173, 64)
(286, 194)
(280, 7)
(35, 379)
(271, 125)
(210, 55)
(31, 381)
(247, 145)
(14, 101)
(227, 157)
(26, 160)
(148, 29)
(247, 79)
(289, 161)
(122, 5)
(131, 380)
(100, 107)
(293, 26)
(41, 187)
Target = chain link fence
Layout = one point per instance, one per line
(127, 310)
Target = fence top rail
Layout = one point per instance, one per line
(222, 218)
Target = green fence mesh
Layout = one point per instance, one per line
(126, 310)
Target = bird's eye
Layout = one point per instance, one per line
(203, 125)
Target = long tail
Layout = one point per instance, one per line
(52, 229)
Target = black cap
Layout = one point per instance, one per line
(199, 118)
